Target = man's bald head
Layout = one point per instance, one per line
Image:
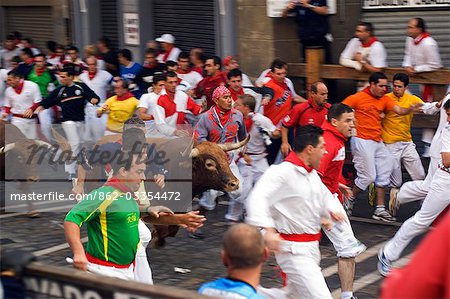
(243, 247)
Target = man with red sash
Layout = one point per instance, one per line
(292, 216)
(337, 128)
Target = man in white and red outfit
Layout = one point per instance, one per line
(170, 51)
(185, 72)
(281, 103)
(222, 124)
(337, 128)
(171, 108)
(313, 112)
(364, 52)
(422, 55)
(214, 78)
(291, 203)
(22, 97)
(99, 81)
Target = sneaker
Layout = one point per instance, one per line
(394, 204)
(383, 216)
(71, 177)
(372, 195)
(198, 234)
(348, 204)
(384, 265)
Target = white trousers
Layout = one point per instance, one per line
(45, 123)
(372, 163)
(74, 134)
(341, 234)
(418, 190)
(94, 126)
(437, 200)
(250, 175)
(122, 273)
(26, 125)
(405, 153)
(142, 270)
(300, 261)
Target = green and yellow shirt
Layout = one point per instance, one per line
(112, 224)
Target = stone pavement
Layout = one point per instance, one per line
(202, 257)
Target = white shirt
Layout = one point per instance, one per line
(167, 125)
(289, 199)
(436, 144)
(375, 55)
(246, 80)
(424, 57)
(193, 78)
(256, 143)
(149, 101)
(173, 55)
(446, 139)
(99, 84)
(20, 102)
(3, 76)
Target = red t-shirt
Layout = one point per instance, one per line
(306, 114)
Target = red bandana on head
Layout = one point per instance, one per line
(421, 37)
(369, 42)
(294, 159)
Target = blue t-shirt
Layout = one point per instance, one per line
(229, 288)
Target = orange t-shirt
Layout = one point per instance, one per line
(281, 103)
(368, 110)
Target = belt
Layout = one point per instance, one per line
(442, 167)
(97, 261)
(254, 154)
(22, 116)
(301, 237)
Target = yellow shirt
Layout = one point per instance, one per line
(394, 127)
(119, 112)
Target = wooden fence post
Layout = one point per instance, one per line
(314, 60)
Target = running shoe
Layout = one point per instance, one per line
(384, 265)
(394, 204)
(383, 216)
(372, 195)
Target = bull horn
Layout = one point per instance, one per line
(233, 146)
(42, 143)
(7, 147)
(194, 153)
(188, 148)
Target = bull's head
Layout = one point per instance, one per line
(210, 167)
(23, 158)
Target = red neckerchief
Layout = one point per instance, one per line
(418, 39)
(224, 116)
(326, 126)
(235, 94)
(117, 184)
(281, 84)
(91, 75)
(369, 42)
(294, 159)
(314, 106)
(18, 89)
(248, 124)
(198, 70)
(62, 58)
(182, 72)
(125, 96)
(166, 55)
(39, 71)
(150, 66)
(29, 61)
(53, 56)
(171, 95)
(269, 75)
